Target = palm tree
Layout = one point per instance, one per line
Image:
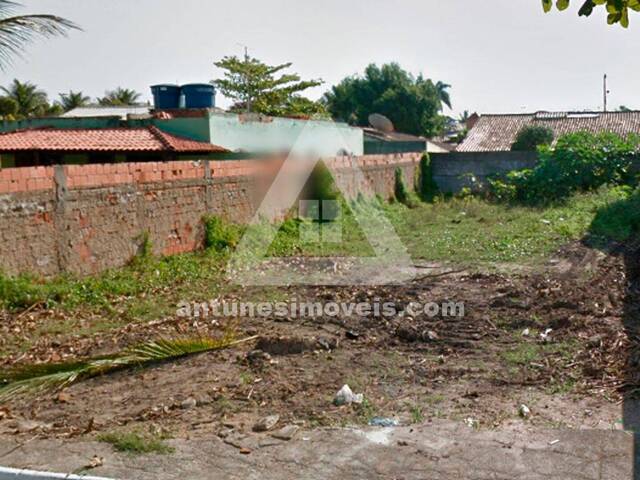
(31, 101)
(120, 96)
(464, 116)
(443, 95)
(17, 31)
(71, 100)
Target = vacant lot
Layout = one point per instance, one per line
(547, 325)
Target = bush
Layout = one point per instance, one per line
(619, 220)
(321, 185)
(400, 189)
(531, 137)
(579, 162)
(427, 187)
(220, 235)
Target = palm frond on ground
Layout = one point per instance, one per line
(40, 379)
(18, 31)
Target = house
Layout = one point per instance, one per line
(48, 146)
(496, 133)
(381, 142)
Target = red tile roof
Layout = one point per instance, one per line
(493, 133)
(148, 139)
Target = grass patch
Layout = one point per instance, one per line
(136, 443)
(471, 230)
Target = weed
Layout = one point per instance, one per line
(221, 235)
(417, 416)
(136, 443)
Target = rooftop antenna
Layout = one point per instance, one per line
(246, 61)
(605, 91)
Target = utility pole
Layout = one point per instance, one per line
(605, 91)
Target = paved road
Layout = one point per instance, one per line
(431, 451)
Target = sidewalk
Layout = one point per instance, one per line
(435, 451)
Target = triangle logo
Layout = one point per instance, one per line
(250, 264)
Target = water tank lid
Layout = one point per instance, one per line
(198, 85)
(173, 85)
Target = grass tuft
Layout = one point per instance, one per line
(136, 443)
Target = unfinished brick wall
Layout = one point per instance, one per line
(87, 218)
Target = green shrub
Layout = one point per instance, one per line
(531, 137)
(427, 187)
(620, 220)
(220, 235)
(579, 162)
(320, 185)
(400, 189)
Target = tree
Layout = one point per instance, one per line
(8, 108)
(411, 103)
(255, 86)
(119, 97)
(71, 100)
(531, 137)
(443, 94)
(463, 118)
(30, 101)
(618, 10)
(17, 31)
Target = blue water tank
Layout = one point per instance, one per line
(199, 95)
(166, 96)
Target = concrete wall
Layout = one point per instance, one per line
(87, 218)
(256, 133)
(456, 170)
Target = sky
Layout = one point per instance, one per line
(499, 55)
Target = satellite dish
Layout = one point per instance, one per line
(380, 122)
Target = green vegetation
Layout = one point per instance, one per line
(41, 378)
(413, 104)
(18, 31)
(466, 230)
(472, 231)
(531, 137)
(427, 187)
(579, 162)
(620, 219)
(400, 188)
(136, 443)
(617, 10)
(220, 235)
(258, 87)
(120, 97)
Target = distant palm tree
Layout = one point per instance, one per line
(71, 100)
(17, 31)
(30, 100)
(443, 95)
(464, 116)
(120, 96)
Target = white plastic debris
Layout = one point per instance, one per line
(526, 332)
(471, 422)
(545, 336)
(345, 396)
(524, 411)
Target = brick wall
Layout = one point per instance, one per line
(87, 218)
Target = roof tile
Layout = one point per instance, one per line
(149, 139)
(494, 133)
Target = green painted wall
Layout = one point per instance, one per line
(380, 147)
(243, 133)
(60, 122)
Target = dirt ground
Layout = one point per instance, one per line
(476, 370)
